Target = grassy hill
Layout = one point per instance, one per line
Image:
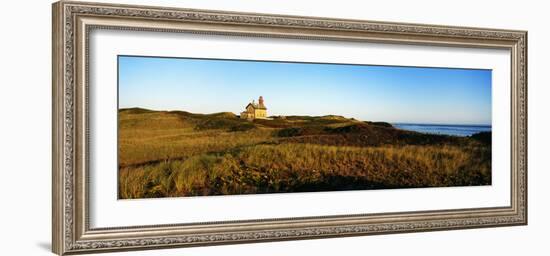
(178, 153)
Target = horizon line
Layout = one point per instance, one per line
(390, 122)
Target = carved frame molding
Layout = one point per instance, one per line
(72, 22)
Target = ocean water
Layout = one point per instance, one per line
(455, 130)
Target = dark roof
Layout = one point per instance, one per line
(256, 106)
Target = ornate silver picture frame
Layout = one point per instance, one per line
(72, 24)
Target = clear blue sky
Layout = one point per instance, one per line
(375, 93)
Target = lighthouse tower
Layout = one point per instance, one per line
(261, 102)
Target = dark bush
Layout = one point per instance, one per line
(354, 128)
(289, 132)
(483, 137)
(383, 124)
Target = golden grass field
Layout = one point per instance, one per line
(172, 154)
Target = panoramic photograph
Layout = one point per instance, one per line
(205, 127)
